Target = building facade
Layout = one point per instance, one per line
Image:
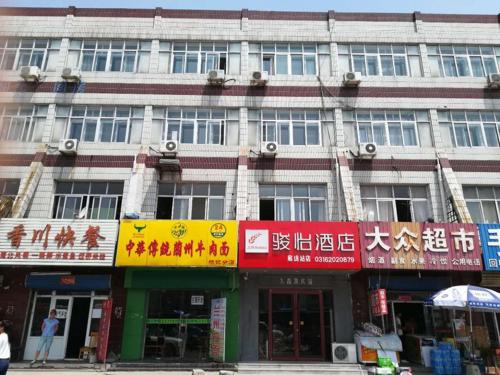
(291, 143)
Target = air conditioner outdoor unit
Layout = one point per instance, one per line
(170, 164)
(269, 149)
(71, 75)
(68, 146)
(352, 79)
(169, 147)
(30, 73)
(259, 78)
(344, 353)
(494, 80)
(216, 77)
(367, 150)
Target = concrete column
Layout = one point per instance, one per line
(347, 185)
(133, 199)
(29, 183)
(242, 182)
(424, 59)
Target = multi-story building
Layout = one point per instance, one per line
(274, 116)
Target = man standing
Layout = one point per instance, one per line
(49, 329)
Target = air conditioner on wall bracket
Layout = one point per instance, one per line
(30, 73)
(268, 149)
(344, 353)
(68, 146)
(352, 79)
(169, 147)
(367, 150)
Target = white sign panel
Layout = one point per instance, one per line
(58, 242)
(218, 330)
(257, 241)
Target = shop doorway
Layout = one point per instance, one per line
(297, 327)
(78, 317)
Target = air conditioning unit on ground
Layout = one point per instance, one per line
(30, 73)
(494, 80)
(269, 149)
(367, 150)
(169, 147)
(352, 79)
(259, 78)
(68, 146)
(344, 353)
(216, 77)
(71, 75)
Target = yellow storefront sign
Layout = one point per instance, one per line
(177, 243)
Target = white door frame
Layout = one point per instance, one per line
(89, 320)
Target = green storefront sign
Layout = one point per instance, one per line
(141, 282)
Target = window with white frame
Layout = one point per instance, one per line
(98, 200)
(110, 55)
(22, 123)
(469, 128)
(15, 53)
(483, 203)
(395, 203)
(380, 59)
(100, 123)
(195, 125)
(9, 187)
(288, 127)
(199, 57)
(194, 201)
(388, 127)
(296, 202)
(290, 58)
(463, 61)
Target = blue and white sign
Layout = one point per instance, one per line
(490, 242)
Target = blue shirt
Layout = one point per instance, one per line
(50, 325)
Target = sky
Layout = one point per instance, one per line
(398, 6)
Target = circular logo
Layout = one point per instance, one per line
(178, 230)
(218, 230)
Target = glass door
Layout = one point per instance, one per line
(41, 308)
(297, 325)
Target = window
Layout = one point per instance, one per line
(463, 61)
(469, 128)
(293, 202)
(380, 60)
(390, 127)
(199, 57)
(289, 127)
(88, 200)
(194, 125)
(195, 201)
(110, 55)
(15, 53)
(483, 203)
(9, 187)
(23, 123)
(101, 123)
(395, 203)
(290, 58)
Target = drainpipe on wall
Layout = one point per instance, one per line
(441, 188)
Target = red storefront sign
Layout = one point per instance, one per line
(104, 324)
(379, 302)
(299, 245)
(429, 246)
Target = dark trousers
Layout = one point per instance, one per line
(4, 366)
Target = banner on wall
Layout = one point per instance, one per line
(490, 241)
(429, 246)
(218, 330)
(299, 245)
(177, 243)
(57, 242)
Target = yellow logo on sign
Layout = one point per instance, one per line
(178, 230)
(218, 230)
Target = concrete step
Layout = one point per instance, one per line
(286, 368)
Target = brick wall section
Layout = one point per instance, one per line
(15, 160)
(95, 161)
(290, 164)
(267, 91)
(492, 166)
(255, 15)
(392, 165)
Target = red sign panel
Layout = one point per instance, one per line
(379, 302)
(429, 246)
(299, 245)
(105, 322)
